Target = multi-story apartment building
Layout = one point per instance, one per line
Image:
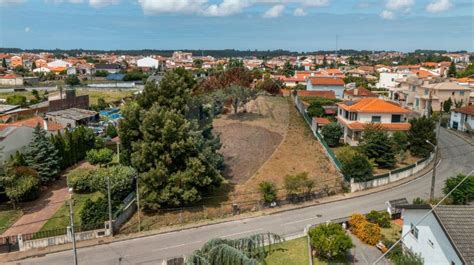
(439, 92)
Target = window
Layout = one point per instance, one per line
(461, 93)
(346, 115)
(396, 118)
(393, 79)
(417, 102)
(376, 119)
(426, 92)
(413, 88)
(414, 231)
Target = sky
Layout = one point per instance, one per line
(296, 25)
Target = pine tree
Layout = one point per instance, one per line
(42, 156)
(376, 145)
(4, 63)
(452, 70)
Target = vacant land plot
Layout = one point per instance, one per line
(108, 95)
(249, 139)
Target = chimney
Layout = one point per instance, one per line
(45, 124)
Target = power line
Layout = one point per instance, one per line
(423, 217)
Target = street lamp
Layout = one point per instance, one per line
(110, 205)
(433, 177)
(71, 226)
(138, 204)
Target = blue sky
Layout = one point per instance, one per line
(299, 25)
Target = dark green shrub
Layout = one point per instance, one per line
(332, 132)
(268, 191)
(380, 218)
(22, 185)
(94, 213)
(81, 180)
(330, 241)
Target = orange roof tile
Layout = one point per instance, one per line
(372, 105)
(34, 121)
(361, 92)
(422, 73)
(321, 93)
(469, 110)
(326, 81)
(321, 120)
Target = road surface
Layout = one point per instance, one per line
(457, 157)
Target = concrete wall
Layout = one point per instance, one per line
(59, 240)
(392, 177)
(113, 85)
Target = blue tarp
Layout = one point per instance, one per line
(115, 77)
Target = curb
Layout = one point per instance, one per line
(462, 137)
(85, 244)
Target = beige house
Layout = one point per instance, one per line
(439, 92)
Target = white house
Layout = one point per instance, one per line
(147, 62)
(59, 63)
(388, 80)
(354, 116)
(445, 236)
(462, 119)
(326, 83)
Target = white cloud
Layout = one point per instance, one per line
(299, 12)
(27, 29)
(171, 6)
(399, 4)
(102, 3)
(275, 11)
(226, 8)
(10, 2)
(387, 15)
(439, 6)
(216, 8)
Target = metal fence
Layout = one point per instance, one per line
(299, 105)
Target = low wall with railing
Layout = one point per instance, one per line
(27, 244)
(392, 176)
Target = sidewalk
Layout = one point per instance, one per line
(37, 213)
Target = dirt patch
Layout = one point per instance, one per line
(245, 149)
(249, 139)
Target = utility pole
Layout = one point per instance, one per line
(110, 205)
(71, 225)
(138, 206)
(436, 151)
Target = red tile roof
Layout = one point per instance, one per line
(361, 92)
(372, 105)
(321, 93)
(326, 81)
(322, 121)
(469, 110)
(33, 121)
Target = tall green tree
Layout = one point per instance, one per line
(421, 130)
(239, 96)
(4, 63)
(358, 168)
(447, 105)
(452, 70)
(332, 133)
(42, 156)
(464, 193)
(288, 69)
(376, 145)
(170, 161)
(72, 80)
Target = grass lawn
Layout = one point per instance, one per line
(392, 233)
(7, 218)
(61, 218)
(293, 252)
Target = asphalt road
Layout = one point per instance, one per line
(457, 157)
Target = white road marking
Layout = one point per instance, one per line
(245, 232)
(177, 246)
(302, 220)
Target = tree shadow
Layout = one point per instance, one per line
(248, 116)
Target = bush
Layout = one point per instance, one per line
(22, 185)
(464, 193)
(268, 191)
(298, 184)
(358, 168)
(380, 218)
(81, 180)
(404, 258)
(332, 132)
(367, 232)
(121, 181)
(330, 240)
(111, 131)
(101, 156)
(94, 213)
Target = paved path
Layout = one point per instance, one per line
(37, 213)
(457, 157)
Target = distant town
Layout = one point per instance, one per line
(266, 155)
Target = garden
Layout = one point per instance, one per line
(379, 151)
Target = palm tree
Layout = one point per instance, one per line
(243, 251)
